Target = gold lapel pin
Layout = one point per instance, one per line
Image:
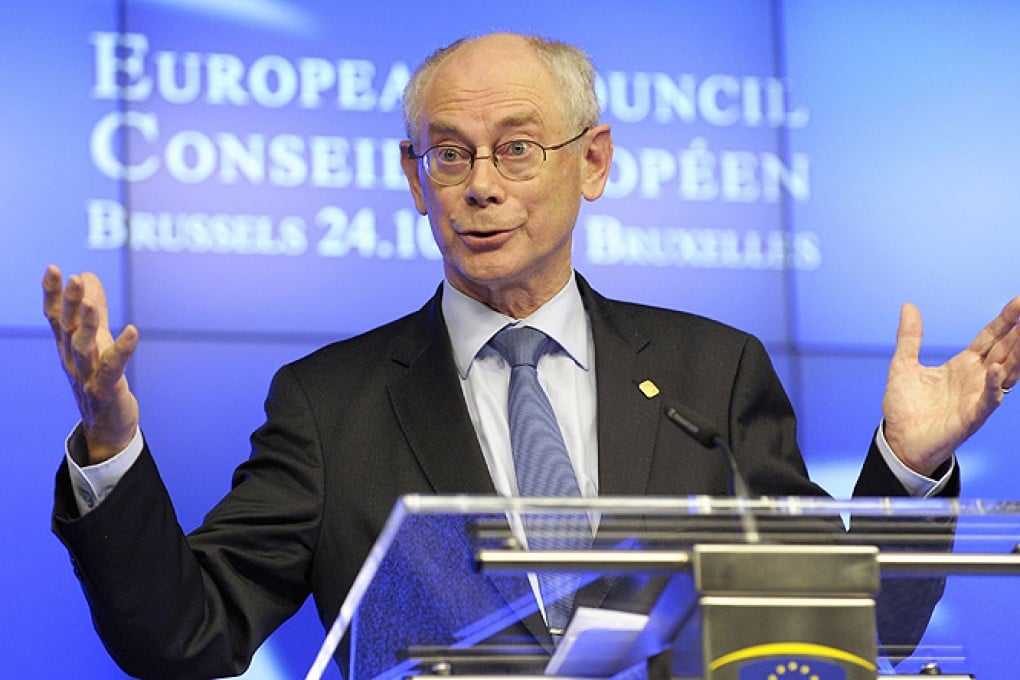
(649, 389)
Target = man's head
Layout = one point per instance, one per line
(505, 235)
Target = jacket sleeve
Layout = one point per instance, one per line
(173, 606)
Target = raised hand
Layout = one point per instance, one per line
(930, 411)
(93, 360)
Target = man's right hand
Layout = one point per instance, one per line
(93, 360)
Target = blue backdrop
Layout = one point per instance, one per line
(230, 169)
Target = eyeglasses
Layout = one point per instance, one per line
(517, 160)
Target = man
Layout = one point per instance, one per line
(504, 142)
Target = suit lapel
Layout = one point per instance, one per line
(429, 405)
(627, 420)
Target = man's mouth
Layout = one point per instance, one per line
(487, 233)
(482, 239)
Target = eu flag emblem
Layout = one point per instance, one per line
(790, 668)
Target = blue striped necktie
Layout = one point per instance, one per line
(542, 465)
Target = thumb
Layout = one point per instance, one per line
(908, 333)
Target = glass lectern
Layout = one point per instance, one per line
(699, 587)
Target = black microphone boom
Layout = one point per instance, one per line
(699, 427)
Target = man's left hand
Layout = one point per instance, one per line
(930, 411)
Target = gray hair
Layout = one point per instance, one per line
(570, 67)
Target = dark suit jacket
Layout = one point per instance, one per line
(359, 423)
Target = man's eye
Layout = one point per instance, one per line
(516, 148)
(450, 154)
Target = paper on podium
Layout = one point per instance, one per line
(597, 643)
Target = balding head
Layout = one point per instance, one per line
(569, 67)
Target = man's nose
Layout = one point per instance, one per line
(485, 183)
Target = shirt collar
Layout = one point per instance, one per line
(471, 324)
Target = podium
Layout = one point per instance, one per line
(688, 588)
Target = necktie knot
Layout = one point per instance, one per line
(520, 345)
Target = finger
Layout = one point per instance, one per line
(993, 394)
(908, 334)
(52, 284)
(997, 328)
(1011, 361)
(83, 342)
(1002, 346)
(71, 309)
(94, 294)
(70, 319)
(114, 360)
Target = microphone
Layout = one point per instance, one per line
(702, 431)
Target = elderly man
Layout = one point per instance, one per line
(504, 141)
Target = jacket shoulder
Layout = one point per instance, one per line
(371, 357)
(668, 327)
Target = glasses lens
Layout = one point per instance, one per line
(519, 158)
(448, 164)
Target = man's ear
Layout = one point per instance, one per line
(411, 169)
(598, 156)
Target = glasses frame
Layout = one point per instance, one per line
(472, 156)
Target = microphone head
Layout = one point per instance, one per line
(693, 423)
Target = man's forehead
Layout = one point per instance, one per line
(444, 125)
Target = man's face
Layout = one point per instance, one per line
(502, 237)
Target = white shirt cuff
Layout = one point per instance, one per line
(915, 483)
(91, 484)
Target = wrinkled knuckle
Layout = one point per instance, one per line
(103, 368)
(79, 345)
(92, 392)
